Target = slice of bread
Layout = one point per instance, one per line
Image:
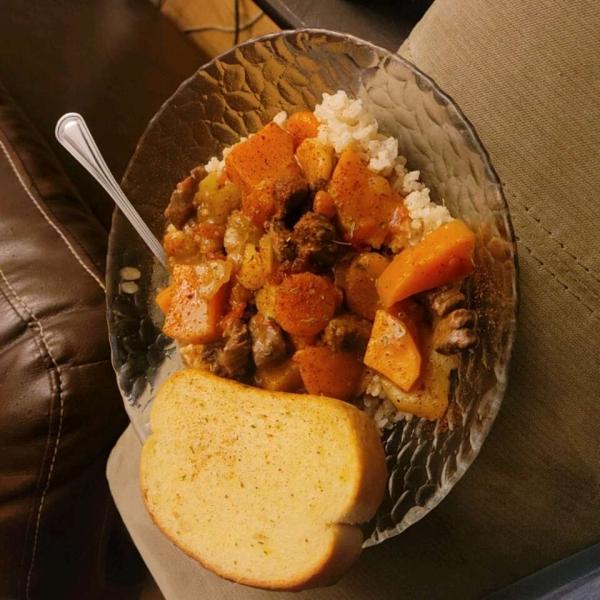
(263, 488)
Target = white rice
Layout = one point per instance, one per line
(345, 124)
(377, 406)
(214, 164)
(425, 214)
(280, 119)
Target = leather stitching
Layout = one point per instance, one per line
(91, 363)
(37, 323)
(44, 357)
(53, 225)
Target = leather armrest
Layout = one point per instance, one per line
(60, 409)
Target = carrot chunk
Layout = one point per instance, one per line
(196, 308)
(365, 202)
(445, 255)
(328, 373)
(163, 299)
(305, 303)
(256, 164)
(361, 277)
(260, 157)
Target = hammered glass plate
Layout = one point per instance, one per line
(235, 95)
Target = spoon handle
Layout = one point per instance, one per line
(73, 133)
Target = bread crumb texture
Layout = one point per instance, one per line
(263, 488)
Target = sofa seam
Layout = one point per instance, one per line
(59, 389)
(91, 363)
(47, 218)
(528, 211)
(43, 356)
(566, 287)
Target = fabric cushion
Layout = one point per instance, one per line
(527, 75)
(60, 410)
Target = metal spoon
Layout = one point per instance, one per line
(73, 133)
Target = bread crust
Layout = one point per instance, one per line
(342, 538)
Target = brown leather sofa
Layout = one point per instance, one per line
(60, 410)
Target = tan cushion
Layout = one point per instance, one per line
(528, 77)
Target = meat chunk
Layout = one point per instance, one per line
(455, 329)
(198, 173)
(283, 246)
(268, 344)
(240, 298)
(456, 332)
(318, 185)
(231, 357)
(288, 194)
(348, 333)
(234, 358)
(443, 300)
(314, 236)
(181, 205)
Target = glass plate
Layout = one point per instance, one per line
(235, 95)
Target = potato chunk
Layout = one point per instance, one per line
(393, 350)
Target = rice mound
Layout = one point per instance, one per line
(345, 124)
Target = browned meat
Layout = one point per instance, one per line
(348, 333)
(456, 332)
(231, 357)
(318, 185)
(289, 193)
(198, 173)
(443, 300)
(181, 205)
(235, 356)
(268, 343)
(455, 326)
(240, 297)
(314, 237)
(284, 247)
